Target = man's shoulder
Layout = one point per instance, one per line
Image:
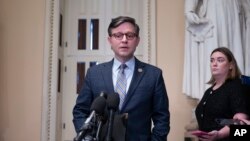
(148, 66)
(101, 65)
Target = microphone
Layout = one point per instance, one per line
(101, 122)
(97, 107)
(101, 118)
(113, 101)
(103, 94)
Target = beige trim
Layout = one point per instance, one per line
(50, 71)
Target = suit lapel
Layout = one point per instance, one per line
(107, 76)
(137, 76)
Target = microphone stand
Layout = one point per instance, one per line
(113, 104)
(90, 131)
(98, 130)
(87, 130)
(83, 132)
(110, 126)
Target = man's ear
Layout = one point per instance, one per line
(138, 41)
(109, 39)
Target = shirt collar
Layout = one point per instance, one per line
(130, 63)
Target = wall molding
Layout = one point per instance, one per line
(48, 132)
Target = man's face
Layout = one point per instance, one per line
(124, 41)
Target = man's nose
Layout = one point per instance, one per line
(124, 37)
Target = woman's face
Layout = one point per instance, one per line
(219, 65)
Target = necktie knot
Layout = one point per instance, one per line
(123, 67)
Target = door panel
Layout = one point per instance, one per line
(82, 12)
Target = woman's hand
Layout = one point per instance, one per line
(211, 136)
(242, 117)
(247, 122)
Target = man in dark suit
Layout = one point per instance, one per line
(145, 99)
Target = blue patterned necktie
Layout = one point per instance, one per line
(121, 84)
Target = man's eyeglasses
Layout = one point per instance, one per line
(129, 35)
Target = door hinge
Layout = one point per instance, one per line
(64, 126)
(65, 69)
(66, 44)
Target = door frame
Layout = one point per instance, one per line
(50, 66)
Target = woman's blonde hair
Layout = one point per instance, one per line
(234, 71)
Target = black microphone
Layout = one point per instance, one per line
(113, 101)
(101, 122)
(103, 94)
(101, 119)
(97, 107)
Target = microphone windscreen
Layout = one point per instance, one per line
(113, 101)
(103, 94)
(104, 118)
(98, 105)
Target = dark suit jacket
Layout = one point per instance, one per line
(146, 100)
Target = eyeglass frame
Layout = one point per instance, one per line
(120, 35)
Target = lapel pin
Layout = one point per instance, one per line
(140, 70)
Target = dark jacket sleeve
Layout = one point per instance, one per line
(83, 102)
(161, 115)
